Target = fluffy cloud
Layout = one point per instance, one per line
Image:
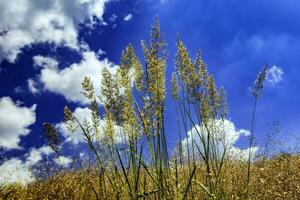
(17, 171)
(128, 17)
(63, 161)
(27, 22)
(275, 75)
(35, 155)
(14, 122)
(83, 114)
(67, 81)
(225, 135)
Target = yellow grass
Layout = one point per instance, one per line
(278, 178)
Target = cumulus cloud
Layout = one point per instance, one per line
(225, 135)
(83, 114)
(35, 155)
(63, 161)
(274, 75)
(27, 22)
(67, 82)
(14, 122)
(17, 171)
(128, 17)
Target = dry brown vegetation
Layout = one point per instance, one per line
(277, 178)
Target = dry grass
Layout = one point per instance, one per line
(277, 178)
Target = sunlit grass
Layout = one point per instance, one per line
(277, 178)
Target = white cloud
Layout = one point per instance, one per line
(225, 135)
(83, 114)
(27, 22)
(81, 154)
(274, 75)
(46, 62)
(14, 122)
(235, 153)
(32, 86)
(17, 171)
(67, 82)
(63, 161)
(244, 132)
(35, 155)
(128, 17)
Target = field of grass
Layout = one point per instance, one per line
(133, 106)
(276, 178)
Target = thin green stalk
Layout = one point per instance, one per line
(250, 146)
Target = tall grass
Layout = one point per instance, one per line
(132, 105)
(256, 93)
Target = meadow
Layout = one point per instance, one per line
(132, 104)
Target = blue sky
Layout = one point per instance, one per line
(43, 44)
